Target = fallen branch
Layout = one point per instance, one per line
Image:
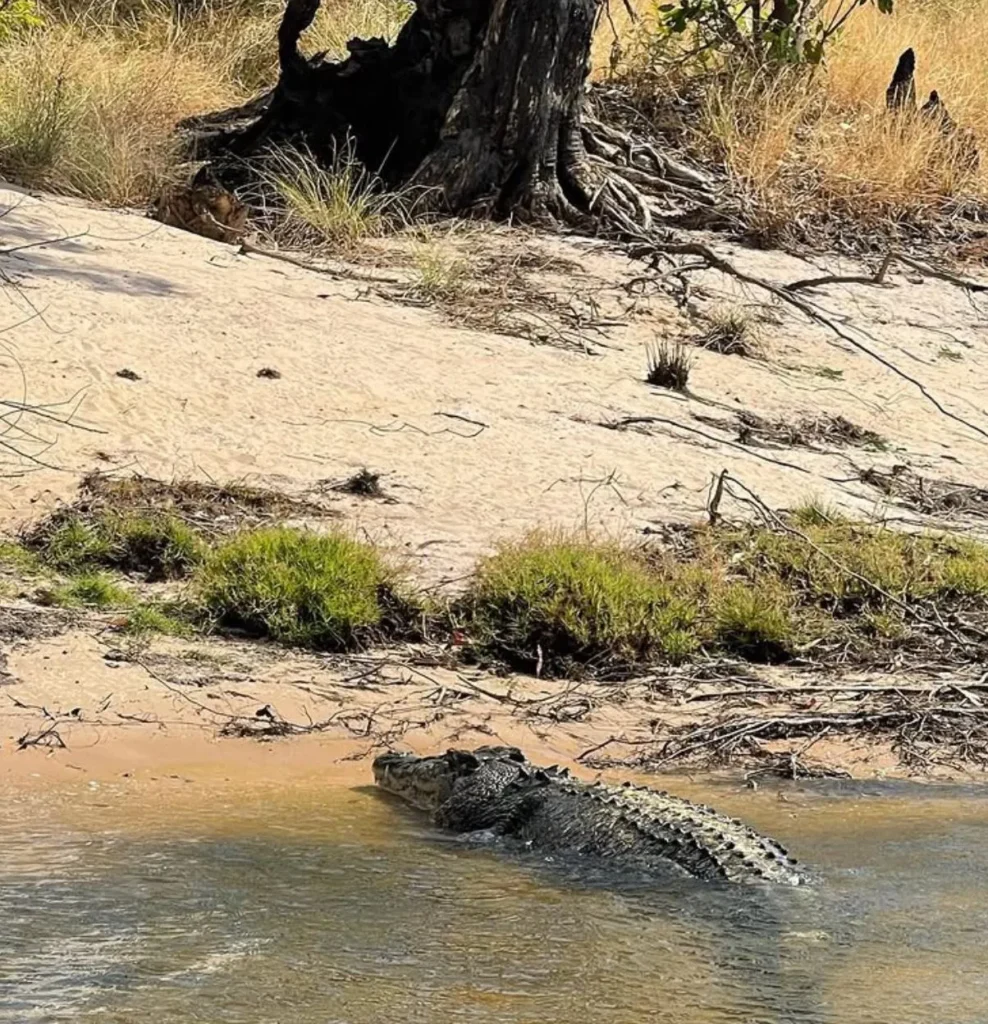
(865, 688)
(654, 250)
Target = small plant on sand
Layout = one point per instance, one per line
(337, 205)
(148, 619)
(298, 587)
(669, 366)
(91, 590)
(732, 332)
(440, 275)
(814, 511)
(552, 600)
(155, 544)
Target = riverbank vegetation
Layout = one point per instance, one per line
(817, 588)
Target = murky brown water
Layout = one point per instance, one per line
(324, 905)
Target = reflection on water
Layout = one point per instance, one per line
(337, 906)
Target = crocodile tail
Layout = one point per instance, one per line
(705, 843)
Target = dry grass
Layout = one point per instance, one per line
(84, 112)
(89, 101)
(336, 207)
(802, 150)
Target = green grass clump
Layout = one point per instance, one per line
(15, 558)
(91, 590)
(72, 545)
(755, 623)
(156, 544)
(338, 204)
(147, 619)
(845, 567)
(554, 600)
(159, 545)
(758, 594)
(295, 586)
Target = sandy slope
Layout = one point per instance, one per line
(368, 382)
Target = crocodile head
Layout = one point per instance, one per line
(427, 782)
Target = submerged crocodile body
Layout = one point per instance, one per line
(496, 789)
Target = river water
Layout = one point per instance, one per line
(179, 903)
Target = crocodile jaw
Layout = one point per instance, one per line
(421, 781)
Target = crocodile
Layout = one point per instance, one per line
(495, 788)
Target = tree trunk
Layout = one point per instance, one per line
(479, 102)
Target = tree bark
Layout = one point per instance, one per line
(478, 102)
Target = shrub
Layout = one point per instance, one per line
(556, 600)
(295, 586)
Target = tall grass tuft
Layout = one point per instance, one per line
(337, 206)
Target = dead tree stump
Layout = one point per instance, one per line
(478, 102)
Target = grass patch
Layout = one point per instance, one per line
(89, 110)
(441, 275)
(154, 544)
(669, 366)
(297, 587)
(154, 528)
(732, 333)
(754, 622)
(551, 601)
(825, 587)
(91, 590)
(150, 619)
(89, 99)
(336, 206)
(845, 567)
(15, 558)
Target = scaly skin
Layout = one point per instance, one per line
(495, 788)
